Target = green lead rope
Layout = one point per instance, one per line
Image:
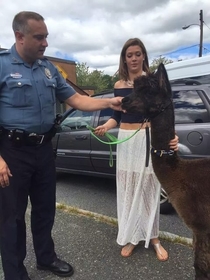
(111, 140)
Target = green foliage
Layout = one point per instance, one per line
(95, 79)
(157, 61)
(82, 73)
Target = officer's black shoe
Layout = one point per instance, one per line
(58, 267)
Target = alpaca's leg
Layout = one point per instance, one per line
(202, 256)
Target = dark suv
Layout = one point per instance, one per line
(79, 152)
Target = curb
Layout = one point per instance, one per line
(113, 221)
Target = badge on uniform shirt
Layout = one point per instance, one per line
(47, 73)
(16, 75)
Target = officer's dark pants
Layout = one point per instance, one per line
(33, 170)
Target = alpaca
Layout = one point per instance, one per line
(187, 182)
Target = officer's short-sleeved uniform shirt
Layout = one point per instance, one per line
(28, 94)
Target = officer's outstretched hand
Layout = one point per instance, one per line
(116, 103)
(4, 173)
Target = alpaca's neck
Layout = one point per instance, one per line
(162, 129)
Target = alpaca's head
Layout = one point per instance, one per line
(151, 94)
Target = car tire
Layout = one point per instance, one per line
(165, 206)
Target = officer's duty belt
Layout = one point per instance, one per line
(21, 137)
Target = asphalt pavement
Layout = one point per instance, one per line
(88, 242)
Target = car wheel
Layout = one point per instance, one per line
(165, 206)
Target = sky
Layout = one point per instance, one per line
(94, 31)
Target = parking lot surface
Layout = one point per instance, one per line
(90, 246)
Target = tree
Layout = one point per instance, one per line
(96, 79)
(157, 61)
(110, 81)
(82, 73)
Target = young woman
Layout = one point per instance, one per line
(138, 190)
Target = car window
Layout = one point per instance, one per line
(105, 115)
(77, 120)
(189, 107)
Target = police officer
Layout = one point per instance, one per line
(29, 85)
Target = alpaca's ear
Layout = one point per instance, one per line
(162, 74)
(163, 78)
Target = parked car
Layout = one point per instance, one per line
(78, 152)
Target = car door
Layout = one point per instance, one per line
(103, 156)
(73, 140)
(192, 119)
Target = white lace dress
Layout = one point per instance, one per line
(138, 191)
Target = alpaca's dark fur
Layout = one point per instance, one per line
(187, 182)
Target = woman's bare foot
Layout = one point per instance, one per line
(161, 253)
(127, 250)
